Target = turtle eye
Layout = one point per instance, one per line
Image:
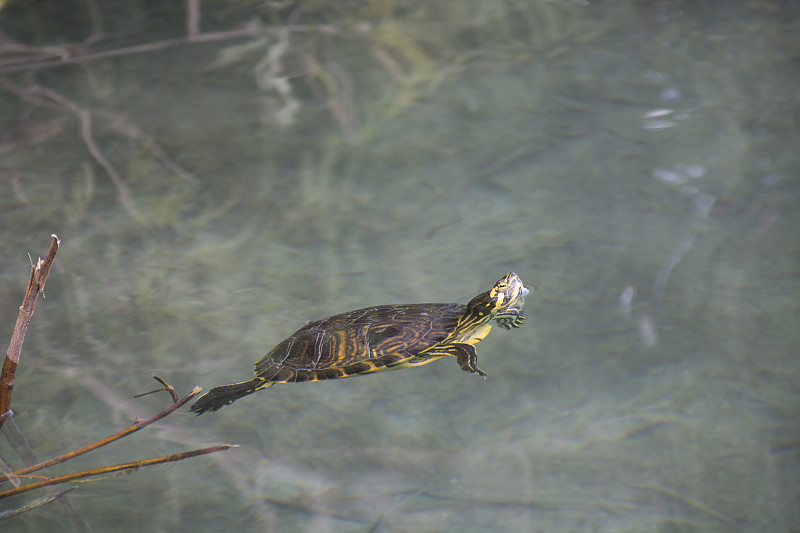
(501, 286)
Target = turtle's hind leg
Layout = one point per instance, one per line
(221, 396)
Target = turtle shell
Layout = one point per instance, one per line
(361, 341)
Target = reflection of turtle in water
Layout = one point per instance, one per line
(381, 338)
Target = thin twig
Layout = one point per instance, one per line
(102, 442)
(167, 387)
(115, 468)
(36, 283)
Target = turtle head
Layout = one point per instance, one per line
(503, 302)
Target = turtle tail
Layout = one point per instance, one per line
(221, 396)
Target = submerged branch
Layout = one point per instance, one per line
(33, 504)
(49, 57)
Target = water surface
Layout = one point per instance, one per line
(634, 162)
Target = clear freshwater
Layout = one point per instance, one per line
(635, 162)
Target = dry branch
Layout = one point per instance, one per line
(36, 283)
(135, 465)
(102, 442)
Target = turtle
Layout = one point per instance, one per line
(385, 337)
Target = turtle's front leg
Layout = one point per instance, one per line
(510, 319)
(467, 358)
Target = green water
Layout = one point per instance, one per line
(634, 162)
